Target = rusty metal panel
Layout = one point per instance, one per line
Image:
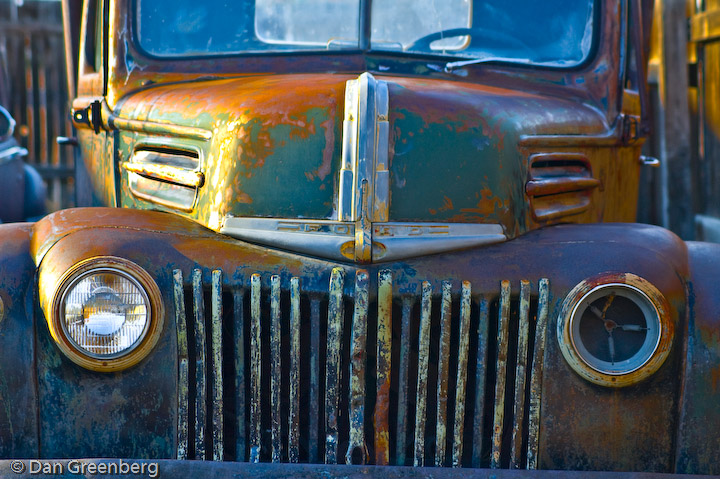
(501, 373)
(520, 376)
(462, 372)
(255, 369)
(200, 365)
(443, 373)
(357, 370)
(183, 365)
(537, 375)
(294, 413)
(332, 374)
(384, 356)
(275, 367)
(422, 386)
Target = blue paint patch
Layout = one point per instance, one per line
(580, 80)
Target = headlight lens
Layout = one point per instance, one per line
(105, 313)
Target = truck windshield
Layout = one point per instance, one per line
(556, 32)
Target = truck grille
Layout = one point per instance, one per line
(270, 373)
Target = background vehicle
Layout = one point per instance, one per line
(323, 237)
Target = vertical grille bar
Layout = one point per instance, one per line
(357, 369)
(443, 373)
(314, 379)
(480, 373)
(200, 366)
(294, 416)
(520, 376)
(239, 339)
(384, 353)
(276, 366)
(423, 357)
(183, 365)
(255, 369)
(501, 365)
(217, 361)
(537, 375)
(402, 419)
(332, 372)
(462, 367)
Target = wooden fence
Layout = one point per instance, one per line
(32, 63)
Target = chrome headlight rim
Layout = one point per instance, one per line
(655, 304)
(141, 347)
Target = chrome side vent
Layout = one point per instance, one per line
(446, 377)
(166, 176)
(560, 185)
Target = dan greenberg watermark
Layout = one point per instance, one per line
(74, 466)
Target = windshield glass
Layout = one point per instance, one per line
(557, 32)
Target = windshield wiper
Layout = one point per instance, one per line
(450, 66)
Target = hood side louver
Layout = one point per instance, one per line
(559, 185)
(166, 176)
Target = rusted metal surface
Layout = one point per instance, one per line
(443, 373)
(422, 386)
(332, 370)
(276, 367)
(480, 375)
(358, 343)
(294, 413)
(255, 369)
(200, 364)
(217, 362)
(403, 378)
(240, 395)
(500, 373)
(542, 252)
(520, 376)
(536, 378)
(462, 373)
(383, 368)
(183, 366)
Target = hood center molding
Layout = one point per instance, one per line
(364, 195)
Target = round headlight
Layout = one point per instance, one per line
(108, 314)
(615, 330)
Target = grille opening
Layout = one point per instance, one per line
(312, 369)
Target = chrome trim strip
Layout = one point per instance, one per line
(358, 343)
(217, 361)
(335, 239)
(275, 368)
(183, 366)
(383, 368)
(294, 413)
(15, 150)
(520, 376)
(443, 377)
(462, 374)
(501, 373)
(422, 384)
(537, 375)
(255, 369)
(200, 365)
(336, 317)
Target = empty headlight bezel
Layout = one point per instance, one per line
(141, 347)
(643, 291)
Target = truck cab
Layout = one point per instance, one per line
(361, 233)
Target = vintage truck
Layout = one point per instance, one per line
(361, 233)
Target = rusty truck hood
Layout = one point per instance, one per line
(453, 152)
